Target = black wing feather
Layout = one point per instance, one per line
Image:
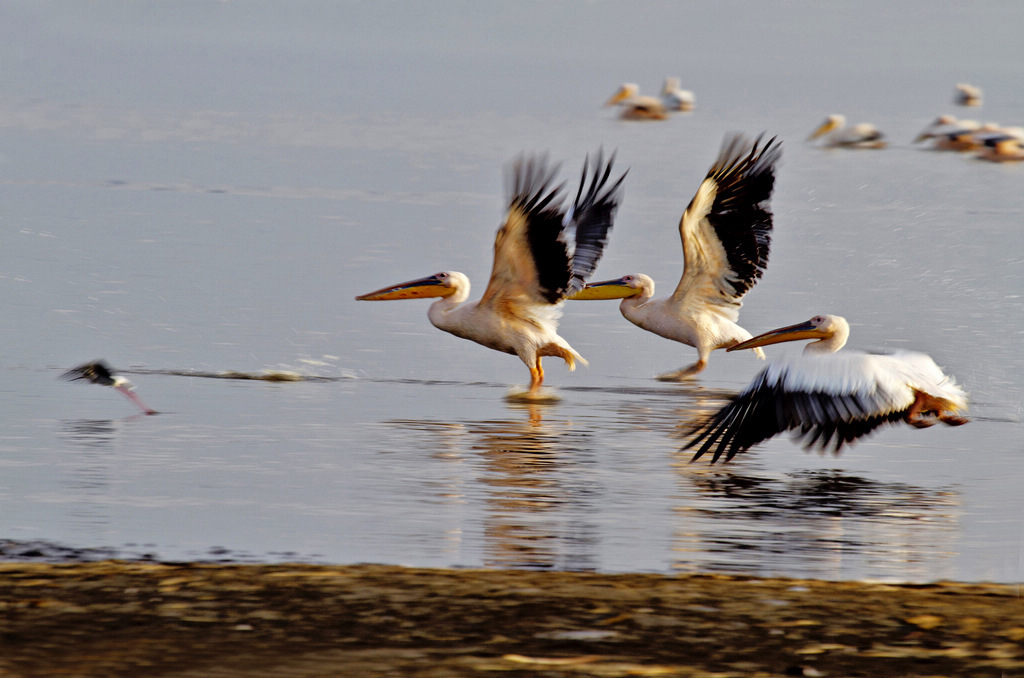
(592, 216)
(96, 372)
(740, 215)
(533, 194)
(765, 409)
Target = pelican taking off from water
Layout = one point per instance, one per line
(726, 234)
(542, 254)
(637, 107)
(99, 373)
(824, 395)
(863, 135)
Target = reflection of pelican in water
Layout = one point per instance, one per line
(534, 508)
(813, 523)
(862, 135)
(824, 395)
(542, 254)
(99, 373)
(726, 234)
(635, 106)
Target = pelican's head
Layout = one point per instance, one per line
(831, 332)
(671, 85)
(631, 285)
(626, 91)
(832, 122)
(444, 284)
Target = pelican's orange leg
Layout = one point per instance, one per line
(536, 377)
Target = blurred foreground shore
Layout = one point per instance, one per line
(115, 618)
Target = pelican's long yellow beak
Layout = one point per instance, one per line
(804, 330)
(825, 127)
(431, 286)
(608, 289)
(621, 95)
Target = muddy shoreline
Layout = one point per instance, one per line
(116, 618)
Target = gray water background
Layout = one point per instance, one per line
(205, 186)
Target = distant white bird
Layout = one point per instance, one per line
(635, 106)
(824, 395)
(967, 95)
(1007, 146)
(99, 373)
(949, 133)
(863, 135)
(726, 235)
(675, 98)
(542, 254)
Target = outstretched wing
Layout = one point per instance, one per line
(590, 219)
(827, 400)
(95, 372)
(726, 229)
(541, 253)
(531, 262)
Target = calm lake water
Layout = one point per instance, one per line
(206, 189)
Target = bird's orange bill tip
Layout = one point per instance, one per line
(414, 289)
(804, 330)
(609, 289)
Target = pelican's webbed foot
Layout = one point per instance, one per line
(684, 373)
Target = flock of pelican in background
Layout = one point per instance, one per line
(989, 141)
(549, 246)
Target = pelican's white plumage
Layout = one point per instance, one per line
(837, 135)
(542, 253)
(675, 97)
(636, 106)
(825, 395)
(726, 235)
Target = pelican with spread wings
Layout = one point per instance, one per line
(543, 253)
(826, 396)
(726, 234)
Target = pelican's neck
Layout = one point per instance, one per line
(439, 311)
(640, 298)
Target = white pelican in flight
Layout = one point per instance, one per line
(542, 254)
(99, 373)
(824, 395)
(863, 135)
(675, 98)
(637, 107)
(967, 95)
(726, 233)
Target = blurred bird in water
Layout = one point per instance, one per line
(636, 106)
(862, 135)
(99, 373)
